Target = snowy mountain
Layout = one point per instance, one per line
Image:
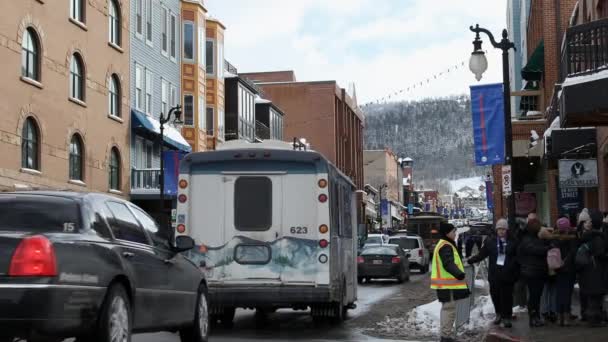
(437, 133)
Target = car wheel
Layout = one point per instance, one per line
(199, 331)
(114, 324)
(401, 277)
(227, 318)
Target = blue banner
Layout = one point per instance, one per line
(171, 161)
(490, 195)
(487, 106)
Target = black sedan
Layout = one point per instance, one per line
(93, 267)
(383, 261)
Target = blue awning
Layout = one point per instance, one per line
(171, 136)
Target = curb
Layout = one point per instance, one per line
(501, 336)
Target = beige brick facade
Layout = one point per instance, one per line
(47, 102)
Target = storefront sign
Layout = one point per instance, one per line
(578, 173)
(506, 180)
(570, 201)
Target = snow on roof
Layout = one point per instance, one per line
(228, 74)
(586, 78)
(472, 182)
(259, 99)
(554, 125)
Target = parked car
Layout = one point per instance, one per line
(376, 239)
(414, 245)
(383, 261)
(94, 267)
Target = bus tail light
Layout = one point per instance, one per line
(183, 184)
(182, 198)
(181, 228)
(322, 198)
(323, 243)
(322, 183)
(323, 229)
(323, 258)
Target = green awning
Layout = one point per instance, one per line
(535, 67)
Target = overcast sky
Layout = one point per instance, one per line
(382, 46)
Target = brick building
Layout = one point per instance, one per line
(65, 104)
(323, 113)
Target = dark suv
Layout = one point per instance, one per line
(94, 267)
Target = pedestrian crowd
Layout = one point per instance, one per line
(530, 266)
(538, 268)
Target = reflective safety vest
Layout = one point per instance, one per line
(442, 279)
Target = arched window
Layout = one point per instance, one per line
(30, 145)
(30, 54)
(114, 94)
(76, 160)
(77, 78)
(114, 24)
(114, 169)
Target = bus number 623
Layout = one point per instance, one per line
(299, 230)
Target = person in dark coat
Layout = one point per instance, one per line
(501, 249)
(591, 266)
(532, 258)
(567, 242)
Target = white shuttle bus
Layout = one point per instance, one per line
(275, 227)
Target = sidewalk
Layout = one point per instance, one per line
(521, 332)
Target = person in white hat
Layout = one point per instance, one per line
(501, 249)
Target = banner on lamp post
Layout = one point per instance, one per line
(487, 107)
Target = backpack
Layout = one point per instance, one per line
(554, 259)
(583, 256)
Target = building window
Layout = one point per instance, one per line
(114, 22)
(77, 78)
(149, 89)
(210, 118)
(188, 110)
(209, 57)
(149, 21)
(220, 60)
(165, 31)
(114, 169)
(77, 10)
(201, 45)
(139, 10)
(30, 54)
(114, 94)
(139, 86)
(188, 40)
(173, 36)
(164, 96)
(173, 92)
(76, 158)
(202, 124)
(220, 124)
(30, 145)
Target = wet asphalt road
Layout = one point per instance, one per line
(289, 325)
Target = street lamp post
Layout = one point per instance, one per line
(177, 112)
(382, 187)
(478, 65)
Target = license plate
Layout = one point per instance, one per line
(377, 262)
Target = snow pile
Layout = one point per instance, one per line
(424, 320)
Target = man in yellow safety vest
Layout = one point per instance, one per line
(447, 277)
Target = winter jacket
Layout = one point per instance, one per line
(509, 272)
(592, 277)
(532, 256)
(568, 245)
(446, 255)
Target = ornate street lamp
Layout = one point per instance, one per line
(176, 112)
(478, 65)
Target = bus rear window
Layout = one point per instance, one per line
(253, 203)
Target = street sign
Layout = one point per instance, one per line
(507, 181)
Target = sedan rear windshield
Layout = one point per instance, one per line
(405, 243)
(38, 214)
(379, 251)
(374, 240)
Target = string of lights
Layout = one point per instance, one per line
(416, 85)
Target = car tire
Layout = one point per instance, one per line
(199, 331)
(115, 314)
(227, 318)
(401, 277)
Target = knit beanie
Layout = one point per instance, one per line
(584, 216)
(445, 229)
(563, 225)
(502, 223)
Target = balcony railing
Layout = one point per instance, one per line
(145, 179)
(531, 105)
(262, 132)
(585, 49)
